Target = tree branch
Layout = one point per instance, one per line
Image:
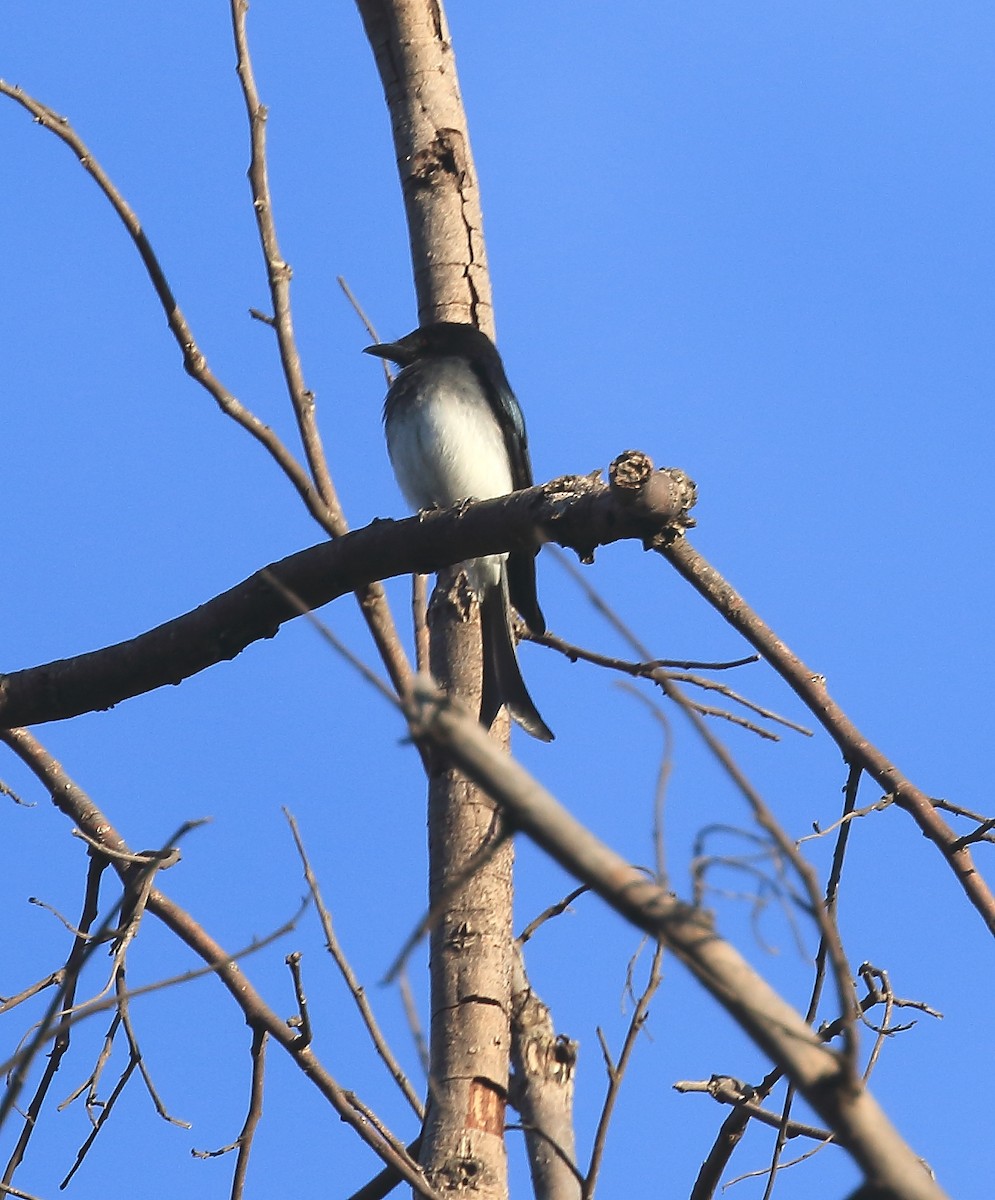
(774, 1025)
(578, 512)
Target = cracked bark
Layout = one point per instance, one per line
(463, 1148)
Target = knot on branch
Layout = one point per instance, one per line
(443, 156)
(665, 495)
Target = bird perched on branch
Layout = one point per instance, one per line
(455, 432)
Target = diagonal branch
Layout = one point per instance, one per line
(774, 1025)
(194, 361)
(319, 497)
(70, 799)
(279, 273)
(811, 687)
(578, 512)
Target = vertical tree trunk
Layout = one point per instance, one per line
(463, 1147)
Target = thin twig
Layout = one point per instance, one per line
(7, 790)
(302, 1022)
(243, 1143)
(727, 1090)
(655, 670)
(356, 989)
(65, 996)
(367, 323)
(616, 1071)
(662, 780)
(57, 977)
(279, 272)
(69, 798)
(554, 910)
(194, 361)
(811, 688)
(414, 1020)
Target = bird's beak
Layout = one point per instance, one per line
(392, 351)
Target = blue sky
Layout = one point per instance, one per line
(754, 241)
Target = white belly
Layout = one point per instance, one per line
(446, 446)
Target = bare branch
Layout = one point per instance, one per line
(727, 1090)
(554, 910)
(321, 501)
(243, 1143)
(811, 687)
(774, 1025)
(542, 1090)
(64, 997)
(279, 273)
(194, 361)
(69, 798)
(302, 1021)
(616, 1071)
(655, 670)
(356, 989)
(580, 512)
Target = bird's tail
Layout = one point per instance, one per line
(503, 683)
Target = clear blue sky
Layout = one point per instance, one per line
(755, 241)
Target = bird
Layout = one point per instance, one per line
(455, 432)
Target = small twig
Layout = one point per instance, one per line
(254, 1115)
(136, 1053)
(243, 1143)
(194, 361)
(852, 815)
(554, 910)
(121, 1020)
(356, 989)
(792, 1162)
(419, 614)
(413, 1019)
(981, 834)
(375, 1122)
(713, 685)
(336, 643)
(59, 917)
(279, 273)
(655, 670)
(958, 810)
(616, 1071)
(662, 780)
(64, 996)
(57, 977)
(302, 1022)
(367, 323)
(727, 1090)
(106, 1107)
(6, 790)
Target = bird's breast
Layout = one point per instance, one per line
(444, 442)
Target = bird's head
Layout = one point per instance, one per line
(444, 339)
